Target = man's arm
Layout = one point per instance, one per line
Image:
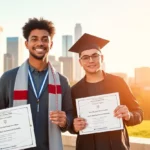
(136, 113)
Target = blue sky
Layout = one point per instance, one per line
(126, 23)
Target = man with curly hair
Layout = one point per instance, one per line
(37, 83)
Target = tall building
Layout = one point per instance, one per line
(67, 67)
(1, 50)
(78, 71)
(8, 62)
(56, 64)
(78, 32)
(15, 48)
(142, 76)
(66, 44)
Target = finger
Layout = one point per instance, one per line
(55, 122)
(80, 123)
(118, 107)
(61, 124)
(123, 114)
(121, 111)
(57, 112)
(58, 121)
(79, 119)
(79, 127)
(58, 115)
(58, 118)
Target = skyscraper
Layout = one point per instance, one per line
(78, 31)
(66, 44)
(56, 64)
(15, 48)
(1, 50)
(78, 71)
(8, 62)
(67, 67)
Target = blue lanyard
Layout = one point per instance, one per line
(34, 89)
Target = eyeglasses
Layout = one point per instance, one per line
(94, 57)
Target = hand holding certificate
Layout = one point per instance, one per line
(99, 113)
(16, 128)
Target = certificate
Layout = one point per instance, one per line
(16, 128)
(98, 111)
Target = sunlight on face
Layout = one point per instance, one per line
(91, 60)
(39, 43)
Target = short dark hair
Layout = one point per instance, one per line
(34, 23)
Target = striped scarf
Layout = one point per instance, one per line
(54, 90)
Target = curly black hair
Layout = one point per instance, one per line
(34, 23)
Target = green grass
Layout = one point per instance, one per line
(141, 130)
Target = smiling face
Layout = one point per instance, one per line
(39, 43)
(91, 60)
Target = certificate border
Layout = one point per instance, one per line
(30, 129)
(120, 125)
(33, 143)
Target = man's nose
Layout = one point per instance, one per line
(40, 42)
(90, 59)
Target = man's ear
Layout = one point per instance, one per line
(80, 62)
(26, 44)
(51, 45)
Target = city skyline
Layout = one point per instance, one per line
(125, 24)
(66, 44)
(64, 64)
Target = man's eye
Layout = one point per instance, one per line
(95, 55)
(45, 40)
(34, 40)
(85, 58)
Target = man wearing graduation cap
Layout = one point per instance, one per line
(97, 82)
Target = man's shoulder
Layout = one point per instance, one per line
(115, 80)
(10, 73)
(63, 79)
(113, 77)
(78, 85)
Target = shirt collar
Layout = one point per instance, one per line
(103, 72)
(32, 69)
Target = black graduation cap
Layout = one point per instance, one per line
(88, 41)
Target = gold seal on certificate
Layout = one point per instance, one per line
(16, 128)
(99, 113)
